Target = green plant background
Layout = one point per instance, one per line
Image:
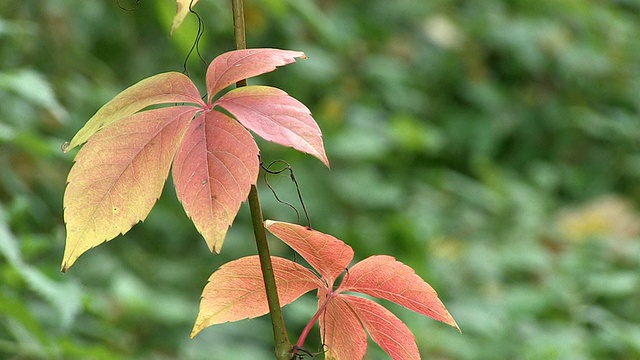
(494, 146)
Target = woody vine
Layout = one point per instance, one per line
(126, 158)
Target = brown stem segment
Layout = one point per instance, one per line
(282, 343)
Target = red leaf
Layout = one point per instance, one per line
(234, 66)
(236, 291)
(328, 255)
(343, 318)
(118, 176)
(341, 330)
(275, 116)
(383, 277)
(171, 87)
(215, 166)
(393, 336)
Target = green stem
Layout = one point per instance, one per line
(282, 343)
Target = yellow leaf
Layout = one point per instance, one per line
(181, 13)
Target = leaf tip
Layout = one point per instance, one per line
(454, 324)
(66, 264)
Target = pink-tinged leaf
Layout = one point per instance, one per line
(215, 166)
(393, 336)
(171, 87)
(234, 66)
(275, 116)
(236, 291)
(328, 255)
(383, 277)
(181, 12)
(341, 331)
(118, 176)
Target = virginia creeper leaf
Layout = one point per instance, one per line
(275, 116)
(343, 318)
(383, 277)
(393, 336)
(233, 66)
(118, 176)
(216, 161)
(236, 291)
(341, 331)
(181, 13)
(215, 166)
(171, 87)
(328, 255)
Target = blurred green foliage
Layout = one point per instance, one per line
(491, 145)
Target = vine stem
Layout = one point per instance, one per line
(282, 343)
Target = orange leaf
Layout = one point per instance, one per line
(118, 176)
(383, 277)
(328, 255)
(215, 166)
(275, 116)
(171, 87)
(393, 336)
(236, 291)
(341, 331)
(234, 66)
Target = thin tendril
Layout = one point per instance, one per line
(268, 171)
(196, 42)
(287, 167)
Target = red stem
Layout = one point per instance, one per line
(307, 328)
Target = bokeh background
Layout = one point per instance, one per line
(492, 145)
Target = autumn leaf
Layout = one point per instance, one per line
(275, 116)
(345, 319)
(213, 171)
(118, 176)
(163, 88)
(236, 290)
(132, 141)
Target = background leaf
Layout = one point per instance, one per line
(118, 176)
(181, 12)
(215, 166)
(275, 116)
